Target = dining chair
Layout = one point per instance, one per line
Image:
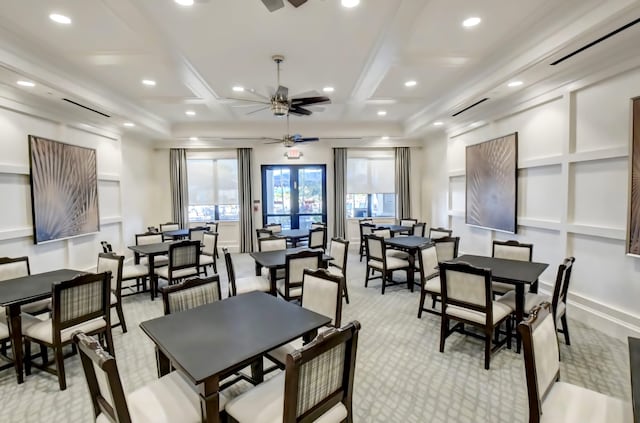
(322, 294)
(190, 293)
(274, 227)
(5, 341)
(430, 284)
(467, 298)
(366, 228)
(137, 272)
(446, 247)
(152, 238)
(106, 247)
(382, 232)
(418, 229)
(318, 238)
(17, 267)
(184, 261)
(208, 252)
(558, 299)
(339, 251)
(169, 226)
(379, 261)
(113, 263)
(290, 288)
(315, 225)
(272, 243)
(167, 399)
(408, 222)
(553, 401)
(197, 234)
(317, 384)
(512, 250)
(263, 233)
(81, 303)
(439, 232)
(243, 285)
(213, 227)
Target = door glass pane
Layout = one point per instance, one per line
(285, 221)
(278, 191)
(306, 221)
(310, 191)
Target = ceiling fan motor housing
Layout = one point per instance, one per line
(279, 108)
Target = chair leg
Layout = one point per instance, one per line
(44, 354)
(120, 312)
(346, 291)
(565, 329)
(215, 265)
(384, 280)
(109, 341)
(423, 296)
(366, 279)
(59, 358)
(444, 328)
(487, 350)
(27, 357)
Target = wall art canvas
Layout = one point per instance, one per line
(633, 230)
(491, 184)
(64, 190)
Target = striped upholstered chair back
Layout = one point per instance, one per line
(190, 294)
(319, 377)
(79, 300)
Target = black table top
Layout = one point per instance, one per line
(408, 242)
(32, 288)
(503, 270)
(634, 364)
(148, 249)
(293, 233)
(214, 338)
(277, 258)
(395, 228)
(177, 233)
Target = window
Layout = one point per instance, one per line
(371, 186)
(213, 188)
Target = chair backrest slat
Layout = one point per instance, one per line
(184, 254)
(190, 294)
(418, 229)
(322, 293)
(80, 299)
(111, 262)
(466, 286)
(297, 262)
(149, 238)
(317, 237)
(375, 248)
(272, 243)
(11, 268)
(512, 250)
(447, 247)
(382, 232)
(197, 234)
(209, 243)
(339, 251)
(428, 260)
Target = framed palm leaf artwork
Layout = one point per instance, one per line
(633, 225)
(64, 190)
(492, 185)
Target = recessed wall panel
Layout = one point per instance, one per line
(457, 193)
(539, 196)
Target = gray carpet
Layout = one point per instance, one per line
(400, 377)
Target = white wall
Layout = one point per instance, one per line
(572, 200)
(117, 205)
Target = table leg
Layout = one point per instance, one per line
(272, 279)
(152, 276)
(258, 269)
(519, 312)
(136, 258)
(209, 401)
(15, 331)
(163, 363)
(411, 270)
(294, 242)
(309, 336)
(534, 287)
(257, 370)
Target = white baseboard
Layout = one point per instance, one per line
(599, 316)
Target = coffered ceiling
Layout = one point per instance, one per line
(196, 54)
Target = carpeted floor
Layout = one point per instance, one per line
(400, 376)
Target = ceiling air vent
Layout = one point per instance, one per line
(469, 107)
(86, 107)
(597, 41)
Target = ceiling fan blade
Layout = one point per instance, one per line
(274, 142)
(258, 110)
(246, 100)
(299, 111)
(257, 94)
(237, 106)
(282, 92)
(297, 3)
(310, 100)
(312, 93)
(273, 5)
(313, 139)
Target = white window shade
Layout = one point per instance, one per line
(200, 174)
(382, 175)
(227, 181)
(357, 176)
(370, 175)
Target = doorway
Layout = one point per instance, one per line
(294, 195)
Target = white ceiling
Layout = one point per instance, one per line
(196, 54)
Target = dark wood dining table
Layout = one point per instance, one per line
(395, 229)
(634, 364)
(293, 235)
(151, 251)
(176, 234)
(274, 260)
(411, 245)
(520, 274)
(211, 342)
(17, 292)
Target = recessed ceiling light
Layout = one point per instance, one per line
(382, 112)
(184, 2)
(410, 83)
(238, 89)
(328, 89)
(129, 124)
(149, 82)
(193, 138)
(473, 21)
(190, 113)
(26, 83)
(514, 84)
(61, 19)
(350, 3)
(438, 123)
(386, 137)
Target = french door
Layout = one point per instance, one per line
(294, 195)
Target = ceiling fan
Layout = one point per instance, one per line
(274, 5)
(280, 103)
(290, 140)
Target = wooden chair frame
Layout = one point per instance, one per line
(326, 275)
(8, 260)
(324, 237)
(270, 238)
(406, 220)
(363, 243)
(342, 266)
(386, 274)
(164, 225)
(118, 290)
(424, 277)
(560, 290)
(166, 291)
(214, 255)
(440, 229)
(512, 243)
(418, 229)
(454, 239)
(287, 273)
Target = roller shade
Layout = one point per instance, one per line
(370, 175)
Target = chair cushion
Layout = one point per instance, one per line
(501, 287)
(165, 400)
(4, 331)
(397, 254)
(433, 285)
(163, 272)
(134, 271)
(280, 354)
(113, 299)
(571, 403)
(157, 260)
(392, 263)
(561, 309)
(205, 259)
(335, 270)
(295, 291)
(265, 404)
(42, 330)
(3, 315)
(530, 300)
(37, 306)
(252, 283)
(500, 311)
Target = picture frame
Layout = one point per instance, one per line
(632, 244)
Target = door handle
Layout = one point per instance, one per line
(295, 185)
